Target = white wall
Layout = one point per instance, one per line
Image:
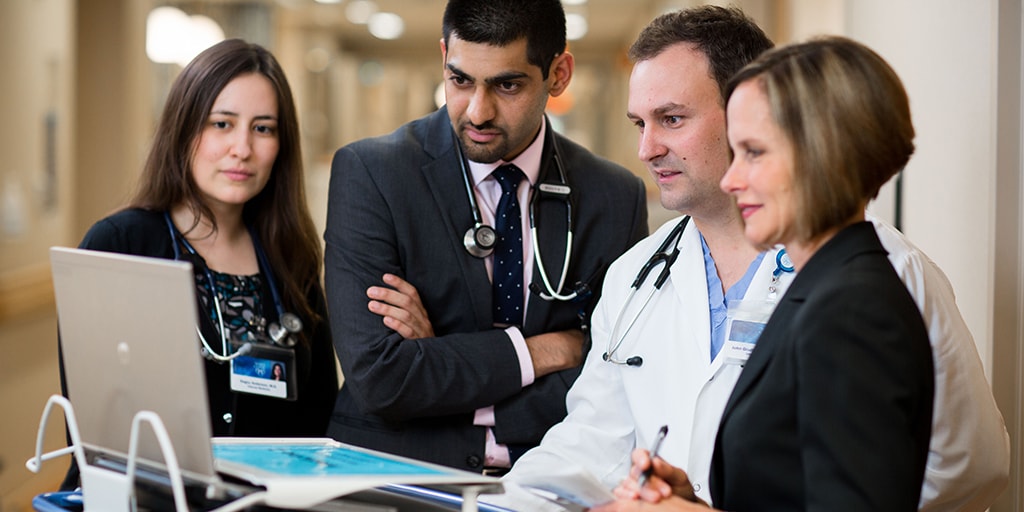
(961, 64)
(944, 52)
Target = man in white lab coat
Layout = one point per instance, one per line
(671, 356)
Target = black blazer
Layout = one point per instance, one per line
(398, 204)
(833, 410)
(144, 233)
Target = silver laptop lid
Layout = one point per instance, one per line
(128, 333)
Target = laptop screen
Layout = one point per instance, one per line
(127, 327)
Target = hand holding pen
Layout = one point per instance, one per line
(662, 432)
(671, 481)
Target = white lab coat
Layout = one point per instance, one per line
(969, 454)
(613, 409)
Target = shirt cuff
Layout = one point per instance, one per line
(484, 417)
(523, 353)
(496, 455)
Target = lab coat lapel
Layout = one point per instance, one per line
(690, 284)
(448, 191)
(766, 343)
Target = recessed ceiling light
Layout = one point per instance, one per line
(575, 26)
(359, 11)
(386, 25)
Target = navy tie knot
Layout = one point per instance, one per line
(507, 278)
(508, 177)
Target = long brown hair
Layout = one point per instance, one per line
(279, 213)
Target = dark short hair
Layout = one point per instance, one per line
(847, 116)
(502, 22)
(726, 37)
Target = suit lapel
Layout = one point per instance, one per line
(447, 188)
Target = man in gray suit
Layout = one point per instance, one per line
(434, 368)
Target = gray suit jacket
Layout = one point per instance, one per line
(398, 204)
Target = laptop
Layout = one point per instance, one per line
(128, 334)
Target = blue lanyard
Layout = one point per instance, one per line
(261, 260)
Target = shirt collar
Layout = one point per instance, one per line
(528, 161)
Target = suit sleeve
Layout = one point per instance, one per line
(389, 376)
(864, 400)
(524, 418)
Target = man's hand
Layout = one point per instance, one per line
(555, 351)
(401, 308)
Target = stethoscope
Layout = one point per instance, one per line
(663, 257)
(660, 257)
(480, 238)
(279, 334)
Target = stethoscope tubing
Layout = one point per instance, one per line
(610, 352)
(660, 256)
(264, 267)
(564, 190)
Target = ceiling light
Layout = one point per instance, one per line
(359, 11)
(575, 26)
(386, 25)
(175, 37)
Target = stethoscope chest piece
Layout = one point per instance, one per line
(479, 240)
(281, 333)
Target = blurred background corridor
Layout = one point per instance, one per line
(83, 82)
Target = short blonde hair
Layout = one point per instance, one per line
(847, 117)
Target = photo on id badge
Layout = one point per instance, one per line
(746, 320)
(267, 371)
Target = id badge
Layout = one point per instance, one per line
(744, 323)
(267, 370)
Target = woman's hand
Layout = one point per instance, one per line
(664, 482)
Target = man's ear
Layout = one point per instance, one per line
(561, 73)
(444, 53)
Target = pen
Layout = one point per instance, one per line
(662, 432)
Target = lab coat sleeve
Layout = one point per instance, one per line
(527, 416)
(375, 213)
(968, 461)
(597, 435)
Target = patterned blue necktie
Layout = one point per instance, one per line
(507, 279)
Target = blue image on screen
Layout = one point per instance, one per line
(745, 332)
(317, 460)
